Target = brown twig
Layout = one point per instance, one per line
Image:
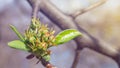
(77, 56)
(65, 22)
(47, 64)
(35, 5)
(82, 11)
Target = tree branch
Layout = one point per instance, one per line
(35, 7)
(76, 59)
(65, 22)
(88, 8)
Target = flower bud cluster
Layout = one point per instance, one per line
(39, 38)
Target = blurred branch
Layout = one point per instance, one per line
(88, 8)
(87, 40)
(76, 58)
(35, 6)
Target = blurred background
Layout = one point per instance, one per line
(102, 22)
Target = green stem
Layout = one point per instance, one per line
(17, 32)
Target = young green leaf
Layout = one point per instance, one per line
(66, 36)
(17, 32)
(17, 44)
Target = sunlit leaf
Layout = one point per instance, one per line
(17, 44)
(66, 36)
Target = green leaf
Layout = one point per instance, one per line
(66, 36)
(17, 44)
(17, 32)
(46, 57)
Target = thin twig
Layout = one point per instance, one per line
(76, 59)
(82, 11)
(35, 5)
